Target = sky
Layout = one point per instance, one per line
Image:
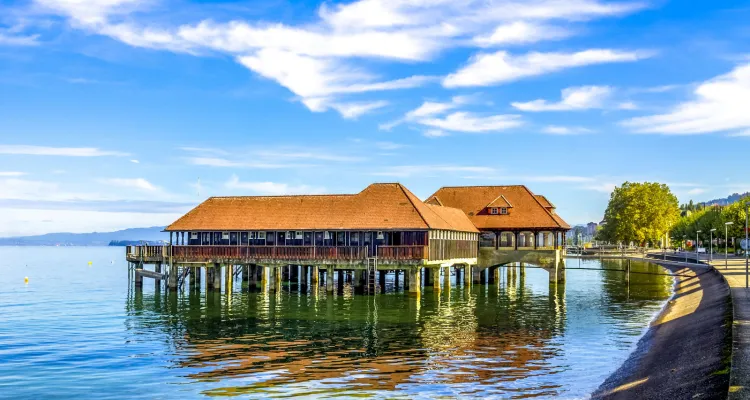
(127, 113)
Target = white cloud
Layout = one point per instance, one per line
(719, 105)
(225, 163)
(573, 98)
(627, 105)
(521, 32)
(434, 133)
(468, 122)
(429, 108)
(487, 69)
(7, 39)
(272, 188)
(389, 145)
(355, 110)
(11, 173)
(134, 183)
(565, 130)
(57, 151)
(556, 178)
(696, 191)
(320, 59)
(135, 161)
(601, 187)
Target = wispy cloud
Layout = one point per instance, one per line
(488, 69)
(11, 173)
(58, 151)
(565, 130)
(271, 188)
(131, 183)
(226, 163)
(573, 98)
(719, 105)
(522, 32)
(434, 133)
(473, 123)
(355, 110)
(7, 39)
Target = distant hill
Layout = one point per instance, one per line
(153, 234)
(727, 200)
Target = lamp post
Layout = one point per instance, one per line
(726, 245)
(696, 246)
(711, 243)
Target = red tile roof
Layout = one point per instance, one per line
(528, 212)
(500, 201)
(380, 206)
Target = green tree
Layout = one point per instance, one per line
(640, 212)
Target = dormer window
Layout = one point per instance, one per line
(503, 210)
(493, 210)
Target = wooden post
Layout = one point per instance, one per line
(396, 273)
(173, 276)
(427, 280)
(446, 278)
(228, 277)
(359, 276)
(381, 280)
(315, 276)
(138, 277)
(303, 277)
(467, 275)
(329, 279)
(157, 282)
(277, 279)
(436, 278)
(340, 280)
(217, 277)
(245, 273)
(415, 279)
(406, 280)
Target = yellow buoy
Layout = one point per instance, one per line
(26, 280)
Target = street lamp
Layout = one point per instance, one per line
(711, 243)
(726, 245)
(696, 246)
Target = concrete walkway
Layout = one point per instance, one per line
(734, 273)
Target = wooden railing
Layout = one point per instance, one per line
(206, 253)
(146, 251)
(402, 252)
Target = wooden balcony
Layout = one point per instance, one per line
(261, 254)
(402, 252)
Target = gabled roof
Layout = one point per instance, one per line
(379, 206)
(434, 201)
(529, 211)
(546, 203)
(500, 201)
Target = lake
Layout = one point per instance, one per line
(82, 331)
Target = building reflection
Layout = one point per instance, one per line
(264, 343)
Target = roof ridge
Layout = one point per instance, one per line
(404, 191)
(543, 207)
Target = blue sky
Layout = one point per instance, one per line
(125, 113)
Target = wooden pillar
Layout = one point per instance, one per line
(157, 282)
(329, 279)
(497, 240)
(476, 275)
(252, 281)
(340, 280)
(277, 278)
(138, 276)
(515, 240)
(496, 275)
(228, 277)
(381, 280)
(446, 278)
(467, 275)
(436, 278)
(415, 278)
(490, 275)
(302, 276)
(314, 276)
(396, 273)
(427, 280)
(217, 277)
(245, 273)
(483, 276)
(406, 280)
(359, 278)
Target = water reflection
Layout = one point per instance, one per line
(517, 338)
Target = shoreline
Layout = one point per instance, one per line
(686, 350)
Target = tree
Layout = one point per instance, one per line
(640, 212)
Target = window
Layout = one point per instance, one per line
(380, 235)
(503, 211)
(298, 235)
(193, 235)
(326, 235)
(493, 210)
(261, 235)
(225, 236)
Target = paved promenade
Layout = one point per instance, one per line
(734, 272)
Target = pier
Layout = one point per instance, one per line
(464, 233)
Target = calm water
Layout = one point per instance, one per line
(80, 331)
